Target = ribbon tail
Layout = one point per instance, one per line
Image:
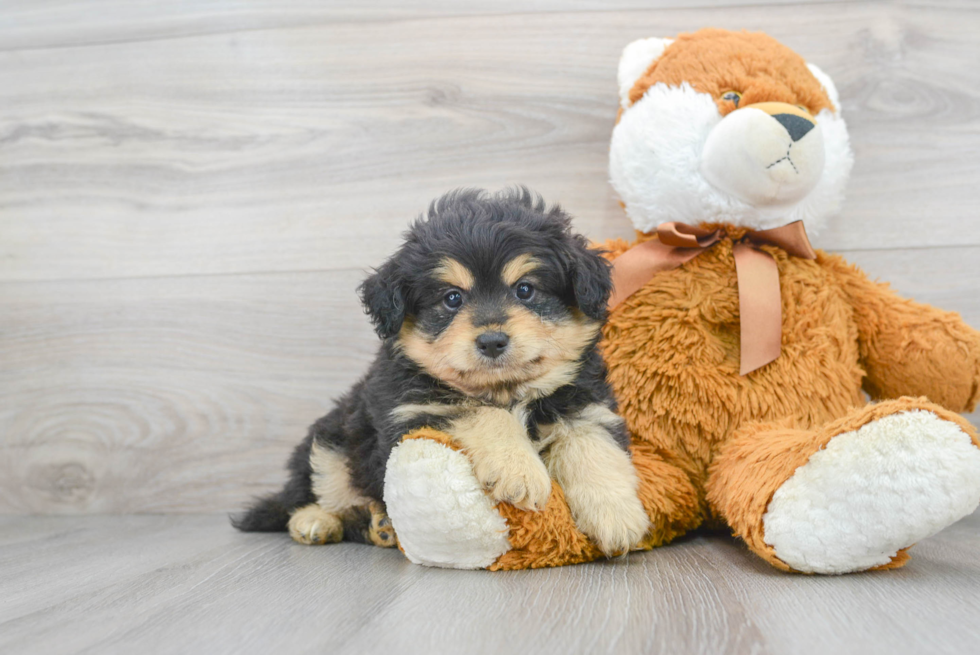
(760, 307)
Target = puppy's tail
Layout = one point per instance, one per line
(269, 514)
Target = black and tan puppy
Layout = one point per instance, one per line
(489, 314)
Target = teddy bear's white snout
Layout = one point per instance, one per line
(764, 155)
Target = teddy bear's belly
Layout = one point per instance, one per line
(673, 356)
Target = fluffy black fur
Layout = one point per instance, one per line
(482, 232)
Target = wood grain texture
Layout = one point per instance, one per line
(191, 191)
(309, 146)
(187, 393)
(182, 584)
(35, 24)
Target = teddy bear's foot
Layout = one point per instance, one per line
(872, 492)
(439, 508)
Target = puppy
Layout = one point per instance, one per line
(489, 316)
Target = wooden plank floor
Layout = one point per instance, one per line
(190, 584)
(191, 191)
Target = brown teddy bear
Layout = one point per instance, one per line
(739, 354)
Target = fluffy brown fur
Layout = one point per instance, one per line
(759, 457)
(755, 65)
(711, 446)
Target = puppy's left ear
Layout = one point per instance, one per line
(384, 300)
(591, 281)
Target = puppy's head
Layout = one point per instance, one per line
(492, 294)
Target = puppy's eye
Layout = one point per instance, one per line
(453, 299)
(732, 96)
(524, 291)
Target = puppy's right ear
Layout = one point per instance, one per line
(591, 279)
(383, 299)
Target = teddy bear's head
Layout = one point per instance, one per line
(726, 127)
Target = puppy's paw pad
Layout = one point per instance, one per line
(312, 525)
(381, 533)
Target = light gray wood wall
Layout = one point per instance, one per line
(191, 191)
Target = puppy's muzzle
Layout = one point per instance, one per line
(492, 344)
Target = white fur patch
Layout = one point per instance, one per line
(827, 84)
(637, 57)
(655, 166)
(441, 514)
(331, 481)
(873, 492)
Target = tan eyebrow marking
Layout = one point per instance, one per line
(452, 272)
(518, 267)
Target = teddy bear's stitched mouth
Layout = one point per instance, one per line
(786, 158)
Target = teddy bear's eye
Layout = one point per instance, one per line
(732, 96)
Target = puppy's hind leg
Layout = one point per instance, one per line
(369, 524)
(312, 525)
(322, 522)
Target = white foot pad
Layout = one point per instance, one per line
(440, 513)
(872, 492)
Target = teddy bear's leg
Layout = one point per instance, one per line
(670, 499)
(443, 517)
(551, 538)
(851, 495)
(440, 512)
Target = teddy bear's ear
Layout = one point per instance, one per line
(828, 85)
(635, 60)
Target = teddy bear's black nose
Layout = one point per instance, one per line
(492, 344)
(797, 126)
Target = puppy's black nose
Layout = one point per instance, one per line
(797, 126)
(492, 344)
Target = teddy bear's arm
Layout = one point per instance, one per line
(907, 348)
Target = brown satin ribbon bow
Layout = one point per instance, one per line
(760, 303)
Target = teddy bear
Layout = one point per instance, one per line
(741, 358)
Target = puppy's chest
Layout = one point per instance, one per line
(537, 421)
(541, 430)
(544, 415)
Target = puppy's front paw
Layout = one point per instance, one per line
(615, 522)
(518, 478)
(312, 525)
